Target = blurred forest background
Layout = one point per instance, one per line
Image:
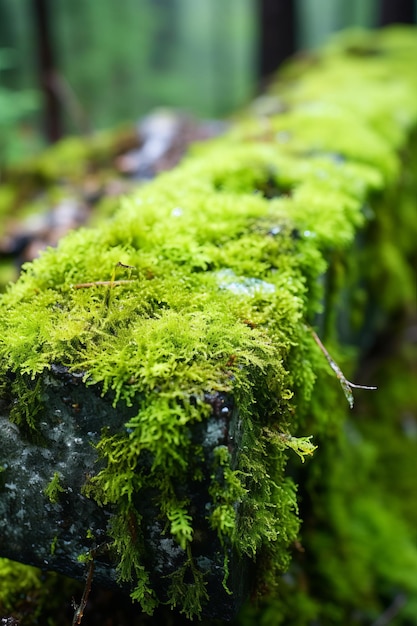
(75, 66)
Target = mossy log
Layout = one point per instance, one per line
(160, 371)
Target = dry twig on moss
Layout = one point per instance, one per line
(346, 385)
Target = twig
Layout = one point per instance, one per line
(346, 385)
(102, 283)
(392, 611)
(78, 615)
(108, 283)
(68, 98)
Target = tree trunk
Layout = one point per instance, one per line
(47, 70)
(397, 11)
(277, 34)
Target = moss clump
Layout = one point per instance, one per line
(54, 488)
(207, 280)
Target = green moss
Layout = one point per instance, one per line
(15, 579)
(31, 596)
(207, 280)
(54, 544)
(54, 488)
(27, 403)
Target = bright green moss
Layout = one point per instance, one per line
(207, 280)
(54, 488)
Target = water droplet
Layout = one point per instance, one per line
(275, 230)
(283, 136)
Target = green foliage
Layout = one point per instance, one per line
(139, 73)
(15, 106)
(16, 579)
(54, 488)
(301, 445)
(180, 525)
(207, 280)
(30, 595)
(27, 404)
(189, 597)
(227, 491)
(128, 547)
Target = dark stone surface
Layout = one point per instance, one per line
(36, 531)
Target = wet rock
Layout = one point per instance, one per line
(51, 528)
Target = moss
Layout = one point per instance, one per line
(26, 405)
(31, 596)
(207, 280)
(16, 578)
(73, 157)
(54, 488)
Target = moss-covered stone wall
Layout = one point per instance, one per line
(221, 277)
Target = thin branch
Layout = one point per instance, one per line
(78, 615)
(66, 95)
(392, 611)
(102, 283)
(108, 283)
(346, 385)
(127, 267)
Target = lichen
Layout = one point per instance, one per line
(208, 280)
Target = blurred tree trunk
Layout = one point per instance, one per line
(277, 34)
(47, 69)
(397, 11)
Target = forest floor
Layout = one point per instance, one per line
(80, 180)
